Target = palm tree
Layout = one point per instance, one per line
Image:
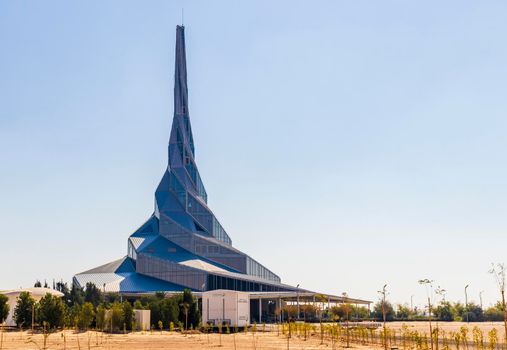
(185, 306)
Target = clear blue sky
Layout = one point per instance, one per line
(342, 144)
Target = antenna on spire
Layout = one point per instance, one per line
(182, 16)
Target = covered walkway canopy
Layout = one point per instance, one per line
(305, 296)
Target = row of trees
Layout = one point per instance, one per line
(91, 308)
(52, 313)
(444, 311)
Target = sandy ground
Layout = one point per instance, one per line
(449, 326)
(173, 340)
(157, 340)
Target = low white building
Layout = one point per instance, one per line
(226, 307)
(36, 293)
(142, 319)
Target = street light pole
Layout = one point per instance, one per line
(33, 316)
(466, 302)
(426, 282)
(480, 297)
(297, 295)
(383, 294)
(346, 300)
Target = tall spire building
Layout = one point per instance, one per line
(182, 245)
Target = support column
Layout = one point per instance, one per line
(280, 308)
(298, 304)
(316, 312)
(260, 310)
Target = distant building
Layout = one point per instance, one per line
(36, 294)
(182, 245)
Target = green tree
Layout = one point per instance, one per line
(159, 295)
(86, 316)
(76, 295)
(128, 314)
(359, 312)
(4, 308)
(138, 305)
(64, 288)
(164, 309)
(458, 311)
(308, 310)
(377, 311)
(444, 311)
(73, 315)
(494, 313)
(37, 284)
(51, 310)
(474, 313)
(155, 312)
(170, 310)
(339, 312)
(193, 311)
(92, 294)
(115, 320)
(101, 317)
(403, 312)
(111, 298)
(23, 310)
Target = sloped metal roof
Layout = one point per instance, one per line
(120, 276)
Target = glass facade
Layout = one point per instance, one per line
(220, 282)
(219, 232)
(177, 188)
(131, 251)
(255, 269)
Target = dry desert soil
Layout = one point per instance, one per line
(69, 339)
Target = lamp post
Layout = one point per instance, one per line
(383, 294)
(466, 301)
(440, 291)
(480, 297)
(33, 316)
(427, 282)
(346, 301)
(297, 296)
